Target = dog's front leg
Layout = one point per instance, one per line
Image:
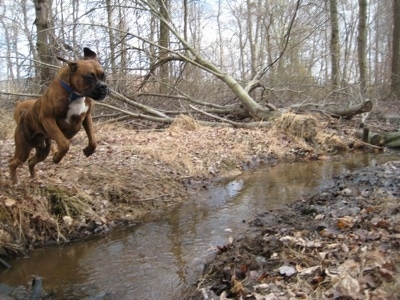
(54, 133)
(92, 144)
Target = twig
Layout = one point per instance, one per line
(150, 199)
(368, 144)
(214, 116)
(4, 263)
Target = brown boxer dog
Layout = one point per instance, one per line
(59, 113)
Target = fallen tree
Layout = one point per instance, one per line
(351, 111)
(387, 139)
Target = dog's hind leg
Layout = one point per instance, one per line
(22, 151)
(14, 163)
(40, 155)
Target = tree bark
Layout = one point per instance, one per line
(163, 41)
(111, 37)
(351, 111)
(362, 44)
(42, 21)
(395, 76)
(334, 44)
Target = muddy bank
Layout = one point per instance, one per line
(341, 243)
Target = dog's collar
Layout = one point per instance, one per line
(72, 94)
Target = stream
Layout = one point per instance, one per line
(162, 258)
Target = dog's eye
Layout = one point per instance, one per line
(90, 77)
(102, 77)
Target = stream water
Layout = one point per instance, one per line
(160, 259)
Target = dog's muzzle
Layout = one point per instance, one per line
(100, 91)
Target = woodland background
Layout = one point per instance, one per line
(215, 60)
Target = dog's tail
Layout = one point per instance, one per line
(21, 107)
(18, 114)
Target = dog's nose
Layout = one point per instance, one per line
(103, 88)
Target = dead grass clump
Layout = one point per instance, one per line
(330, 143)
(27, 220)
(302, 126)
(74, 205)
(7, 125)
(40, 214)
(183, 123)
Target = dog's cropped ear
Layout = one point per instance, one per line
(72, 65)
(62, 59)
(89, 54)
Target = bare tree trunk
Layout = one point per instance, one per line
(111, 37)
(362, 44)
(395, 78)
(185, 19)
(10, 69)
(163, 41)
(335, 46)
(123, 67)
(221, 43)
(251, 38)
(242, 43)
(42, 21)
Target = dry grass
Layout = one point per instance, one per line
(7, 125)
(302, 126)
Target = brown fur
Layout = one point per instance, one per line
(23, 106)
(45, 119)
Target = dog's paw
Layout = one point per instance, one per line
(88, 151)
(57, 157)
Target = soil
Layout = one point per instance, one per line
(317, 247)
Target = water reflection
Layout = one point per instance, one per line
(158, 259)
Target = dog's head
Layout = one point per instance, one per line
(86, 76)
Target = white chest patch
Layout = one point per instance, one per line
(76, 107)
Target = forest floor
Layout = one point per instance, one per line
(135, 173)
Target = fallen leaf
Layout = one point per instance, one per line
(350, 267)
(345, 248)
(287, 271)
(326, 233)
(345, 222)
(262, 286)
(9, 202)
(347, 287)
(237, 286)
(309, 271)
(67, 220)
(382, 224)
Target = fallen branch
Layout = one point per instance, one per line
(349, 112)
(232, 123)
